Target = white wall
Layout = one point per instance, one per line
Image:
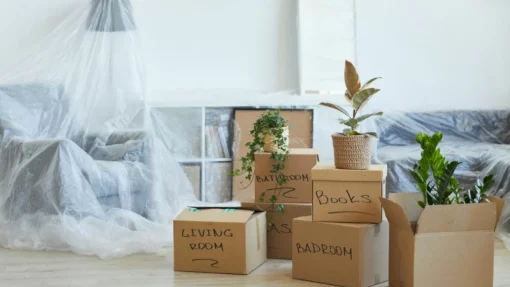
(433, 54)
(436, 54)
(188, 44)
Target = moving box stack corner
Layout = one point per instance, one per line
(297, 170)
(219, 240)
(345, 242)
(441, 245)
(341, 195)
(295, 196)
(279, 234)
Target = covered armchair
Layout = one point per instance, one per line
(44, 167)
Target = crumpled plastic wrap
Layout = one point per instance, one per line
(83, 166)
(480, 140)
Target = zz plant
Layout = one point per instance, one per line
(357, 96)
(270, 123)
(434, 177)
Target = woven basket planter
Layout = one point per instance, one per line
(270, 145)
(352, 152)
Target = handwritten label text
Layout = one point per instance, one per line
(324, 199)
(324, 249)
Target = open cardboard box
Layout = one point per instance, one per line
(298, 188)
(219, 240)
(441, 245)
(341, 195)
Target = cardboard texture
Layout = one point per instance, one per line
(341, 195)
(298, 188)
(452, 245)
(279, 236)
(298, 138)
(343, 254)
(219, 240)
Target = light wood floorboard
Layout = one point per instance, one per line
(41, 269)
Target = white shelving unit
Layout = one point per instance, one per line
(190, 111)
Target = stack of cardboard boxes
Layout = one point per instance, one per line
(238, 240)
(345, 241)
(295, 196)
(334, 230)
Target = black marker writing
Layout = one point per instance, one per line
(324, 199)
(206, 246)
(324, 249)
(274, 177)
(283, 228)
(213, 264)
(282, 191)
(206, 233)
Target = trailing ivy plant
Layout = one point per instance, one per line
(357, 96)
(434, 176)
(272, 123)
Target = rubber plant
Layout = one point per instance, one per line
(357, 96)
(272, 124)
(434, 177)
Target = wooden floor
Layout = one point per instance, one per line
(26, 268)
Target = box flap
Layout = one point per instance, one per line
(458, 217)
(395, 215)
(409, 203)
(500, 203)
(215, 214)
(323, 171)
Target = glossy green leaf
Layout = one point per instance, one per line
(338, 108)
(369, 82)
(372, 134)
(362, 97)
(348, 97)
(364, 117)
(351, 78)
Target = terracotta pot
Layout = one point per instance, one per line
(352, 152)
(270, 145)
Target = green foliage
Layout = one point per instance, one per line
(434, 178)
(273, 124)
(358, 96)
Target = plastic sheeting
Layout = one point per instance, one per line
(83, 167)
(480, 140)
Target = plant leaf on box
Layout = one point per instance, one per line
(443, 188)
(369, 82)
(348, 97)
(372, 134)
(338, 108)
(351, 78)
(366, 116)
(362, 97)
(270, 123)
(357, 96)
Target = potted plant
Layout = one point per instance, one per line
(434, 177)
(270, 134)
(352, 149)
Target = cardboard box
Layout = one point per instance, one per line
(298, 188)
(441, 245)
(279, 236)
(343, 254)
(219, 240)
(246, 118)
(341, 195)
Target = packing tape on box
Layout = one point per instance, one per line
(258, 233)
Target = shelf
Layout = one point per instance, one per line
(162, 99)
(198, 160)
